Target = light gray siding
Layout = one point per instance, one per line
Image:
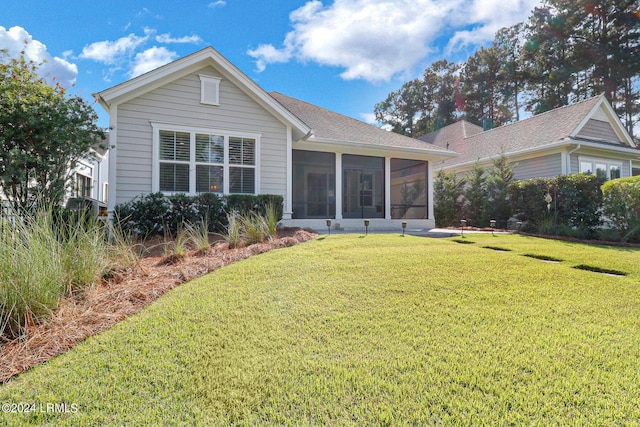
(599, 130)
(539, 167)
(178, 103)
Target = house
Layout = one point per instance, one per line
(584, 137)
(89, 177)
(199, 124)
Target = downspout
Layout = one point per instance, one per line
(569, 158)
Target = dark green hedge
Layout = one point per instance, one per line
(156, 213)
(575, 208)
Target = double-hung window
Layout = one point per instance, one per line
(202, 161)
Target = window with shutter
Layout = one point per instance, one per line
(200, 162)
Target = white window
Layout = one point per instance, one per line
(83, 185)
(607, 169)
(209, 90)
(204, 160)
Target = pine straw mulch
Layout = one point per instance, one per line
(123, 295)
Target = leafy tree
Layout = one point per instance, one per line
(508, 45)
(442, 93)
(43, 134)
(402, 109)
(548, 57)
(483, 89)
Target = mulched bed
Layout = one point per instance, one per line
(123, 295)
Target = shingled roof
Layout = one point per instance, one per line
(546, 129)
(329, 126)
(455, 132)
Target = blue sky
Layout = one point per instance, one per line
(344, 55)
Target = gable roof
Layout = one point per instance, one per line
(334, 128)
(179, 68)
(547, 130)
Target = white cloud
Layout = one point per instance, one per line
(218, 3)
(267, 54)
(166, 38)
(487, 17)
(111, 52)
(377, 39)
(16, 39)
(368, 118)
(151, 59)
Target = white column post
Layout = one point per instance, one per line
(430, 213)
(338, 185)
(288, 202)
(387, 188)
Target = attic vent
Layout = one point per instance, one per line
(209, 90)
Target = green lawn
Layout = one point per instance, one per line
(375, 330)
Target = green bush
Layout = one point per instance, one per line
(579, 202)
(621, 199)
(155, 213)
(528, 204)
(448, 197)
(575, 208)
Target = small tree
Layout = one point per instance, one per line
(43, 134)
(448, 198)
(498, 206)
(476, 195)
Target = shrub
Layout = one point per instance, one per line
(212, 210)
(621, 199)
(528, 204)
(448, 198)
(574, 210)
(579, 202)
(156, 213)
(498, 206)
(476, 195)
(144, 215)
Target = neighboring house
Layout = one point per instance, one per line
(200, 125)
(584, 137)
(89, 177)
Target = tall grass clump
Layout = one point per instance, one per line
(271, 218)
(254, 227)
(32, 275)
(199, 235)
(233, 234)
(45, 255)
(85, 251)
(124, 251)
